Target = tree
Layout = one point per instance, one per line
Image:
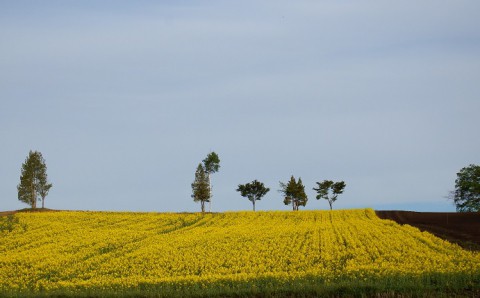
(34, 184)
(254, 191)
(44, 190)
(466, 196)
(294, 192)
(211, 165)
(200, 188)
(324, 189)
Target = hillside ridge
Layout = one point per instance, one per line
(275, 254)
(462, 228)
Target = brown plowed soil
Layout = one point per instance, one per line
(461, 228)
(5, 213)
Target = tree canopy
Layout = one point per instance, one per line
(254, 191)
(294, 193)
(466, 196)
(200, 187)
(33, 184)
(211, 164)
(324, 188)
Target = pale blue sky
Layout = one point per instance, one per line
(125, 98)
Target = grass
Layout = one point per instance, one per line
(439, 285)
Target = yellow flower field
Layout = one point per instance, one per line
(77, 252)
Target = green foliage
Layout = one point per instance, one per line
(467, 189)
(34, 184)
(294, 193)
(324, 188)
(426, 285)
(200, 187)
(253, 191)
(211, 163)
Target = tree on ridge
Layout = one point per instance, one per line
(254, 191)
(324, 189)
(200, 187)
(466, 196)
(33, 184)
(211, 165)
(294, 193)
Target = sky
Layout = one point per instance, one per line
(125, 98)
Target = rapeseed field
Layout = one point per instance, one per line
(305, 253)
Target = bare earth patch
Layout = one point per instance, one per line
(6, 213)
(462, 228)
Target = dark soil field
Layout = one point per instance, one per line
(460, 228)
(6, 213)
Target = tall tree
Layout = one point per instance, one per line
(294, 193)
(254, 191)
(34, 184)
(200, 188)
(44, 189)
(211, 165)
(466, 196)
(324, 188)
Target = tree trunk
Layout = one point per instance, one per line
(43, 203)
(210, 199)
(202, 203)
(34, 196)
(330, 202)
(253, 202)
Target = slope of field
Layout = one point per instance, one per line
(238, 253)
(462, 228)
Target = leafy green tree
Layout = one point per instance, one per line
(254, 191)
(200, 187)
(211, 165)
(324, 189)
(466, 196)
(44, 190)
(34, 184)
(294, 193)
